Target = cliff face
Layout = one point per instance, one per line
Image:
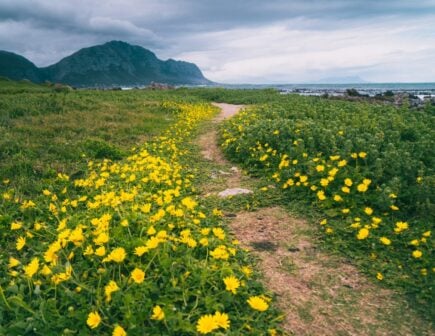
(111, 64)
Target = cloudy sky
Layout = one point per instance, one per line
(239, 41)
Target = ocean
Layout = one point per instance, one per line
(371, 89)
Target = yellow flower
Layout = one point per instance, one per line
(101, 251)
(379, 276)
(13, 262)
(146, 208)
(362, 187)
(16, 225)
(93, 320)
(138, 275)
(231, 284)
(348, 182)
(342, 163)
(220, 252)
(333, 172)
(257, 303)
(151, 231)
(345, 211)
(21, 241)
(264, 157)
(363, 234)
(219, 233)
(394, 208)
(323, 221)
(426, 234)
(367, 182)
(324, 182)
(401, 226)
(158, 313)
(247, 271)
(109, 289)
(362, 155)
(189, 203)
(222, 320)
(101, 239)
(346, 190)
(140, 250)
(117, 255)
(321, 195)
(119, 331)
(338, 198)
(385, 241)
(414, 242)
(320, 168)
(46, 270)
(417, 254)
(32, 267)
(368, 211)
(217, 212)
(206, 324)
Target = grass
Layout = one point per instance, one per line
(45, 131)
(370, 309)
(127, 245)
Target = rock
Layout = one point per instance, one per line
(234, 192)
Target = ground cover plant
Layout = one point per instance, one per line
(47, 129)
(367, 169)
(126, 248)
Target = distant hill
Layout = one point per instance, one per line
(114, 63)
(17, 67)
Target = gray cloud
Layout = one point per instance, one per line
(249, 40)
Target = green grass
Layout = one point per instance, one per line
(399, 147)
(46, 131)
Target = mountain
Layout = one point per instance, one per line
(17, 67)
(114, 63)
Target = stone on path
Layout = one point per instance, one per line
(234, 192)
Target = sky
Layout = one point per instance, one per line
(235, 41)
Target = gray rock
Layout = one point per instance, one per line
(234, 192)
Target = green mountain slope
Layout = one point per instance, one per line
(114, 63)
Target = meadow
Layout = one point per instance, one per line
(102, 232)
(366, 171)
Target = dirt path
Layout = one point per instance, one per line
(319, 294)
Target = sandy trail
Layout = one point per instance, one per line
(227, 110)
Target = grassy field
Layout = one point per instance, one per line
(103, 229)
(45, 131)
(366, 170)
(99, 238)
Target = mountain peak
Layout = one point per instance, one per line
(114, 63)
